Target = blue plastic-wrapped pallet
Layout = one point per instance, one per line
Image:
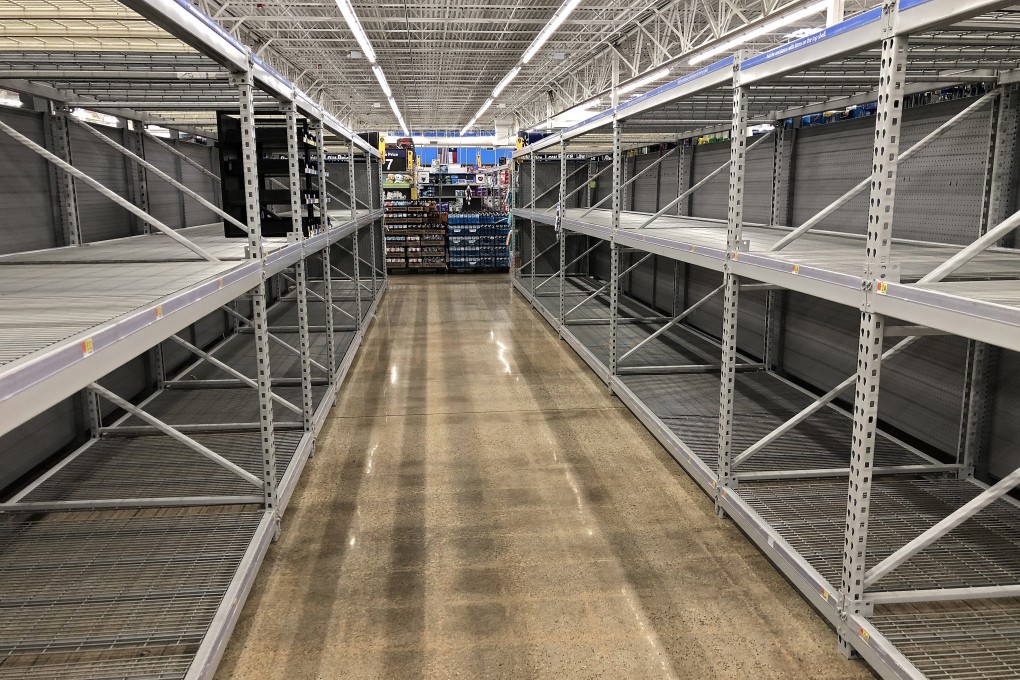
(477, 240)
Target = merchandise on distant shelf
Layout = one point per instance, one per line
(415, 234)
(478, 240)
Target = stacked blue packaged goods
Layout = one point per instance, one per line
(478, 240)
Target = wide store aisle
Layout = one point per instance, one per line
(480, 506)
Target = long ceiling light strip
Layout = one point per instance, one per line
(353, 23)
(381, 77)
(506, 81)
(765, 28)
(357, 29)
(725, 46)
(561, 15)
(541, 39)
(641, 82)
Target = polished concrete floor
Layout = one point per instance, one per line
(480, 507)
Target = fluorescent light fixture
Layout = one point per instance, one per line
(400, 119)
(638, 84)
(381, 77)
(506, 80)
(354, 24)
(561, 15)
(547, 32)
(768, 27)
(10, 99)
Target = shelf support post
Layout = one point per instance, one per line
(589, 193)
(683, 177)
(66, 191)
(355, 257)
(138, 185)
(731, 284)
(774, 298)
(372, 196)
(560, 233)
(614, 248)
(297, 233)
(534, 255)
(886, 156)
(259, 321)
(327, 271)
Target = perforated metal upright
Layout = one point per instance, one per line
(297, 234)
(260, 321)
(356, 273)
(731, 283)
(534, 250)
(138, 188)
(372, 196)
(888, 121)
(65, 183)
(561, 232)
(774, 298)
(614, 247)
(325, 255)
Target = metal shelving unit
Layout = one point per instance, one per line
(133, 554)
(862, 519)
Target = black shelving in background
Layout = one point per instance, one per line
(273, 174)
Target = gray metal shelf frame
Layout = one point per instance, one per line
(133, 555)
(861, 521)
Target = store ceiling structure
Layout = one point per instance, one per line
(442, 58)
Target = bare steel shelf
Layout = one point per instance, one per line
(981, 300)
(72, 315)
(92, 597)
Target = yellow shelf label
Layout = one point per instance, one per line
(86, 347)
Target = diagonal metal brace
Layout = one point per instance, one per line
(319, 297)
(702, 183)
(606, 285)
(113, 196)
(184, 157)
(234, 372)
(287, 346)
(569, 264)
(159, 173)
(940, 529)
(175, 434)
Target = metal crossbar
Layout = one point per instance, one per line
(287, 346)
(113, 196)
(342, 190)
(606, 285)
(184, 157)
(348, 277)
(350, 252)
(938, 274)
(865, 183)
(319, 297)
(700, 184)
(159, 173)
(597, 174)
(943, 527)
(175, 434)
(233, 371)
(554, 245)
(557, 186)
(567, 266)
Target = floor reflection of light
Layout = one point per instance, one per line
(501, 355)
(393, 374)
(371, 460)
